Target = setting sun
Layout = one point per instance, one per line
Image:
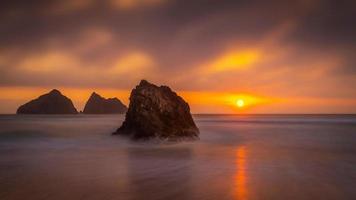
(240, 103)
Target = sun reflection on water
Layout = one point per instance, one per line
(240, 189)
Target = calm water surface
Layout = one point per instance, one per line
(237, 157)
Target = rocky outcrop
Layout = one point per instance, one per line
(99, 105)
(157, 112)
(51, 103)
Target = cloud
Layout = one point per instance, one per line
(47, 62)
(282, 49)
(132, 4)
(234, 60)
(67, 6)
(57, 67)
(133, 63)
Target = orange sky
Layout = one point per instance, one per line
(199, 101)
(212, 86)
(277, 57)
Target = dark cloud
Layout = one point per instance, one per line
(179, 35)
(24, 23)
(330, 23)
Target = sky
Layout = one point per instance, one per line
(277, 56)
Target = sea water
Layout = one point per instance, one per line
(237, 157)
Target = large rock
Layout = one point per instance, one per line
(99, 105)
(51, 103)
(157, 112)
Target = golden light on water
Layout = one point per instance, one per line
(240, 189)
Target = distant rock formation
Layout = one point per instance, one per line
(157, 112)
(99, 105)
(51, 103)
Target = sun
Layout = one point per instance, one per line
(240, 103)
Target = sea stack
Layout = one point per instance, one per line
(157, 112)
(51, 103)
(99, 105)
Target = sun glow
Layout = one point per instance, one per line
(240, 103)
(199, 101)
(226, 102)
(247, 102)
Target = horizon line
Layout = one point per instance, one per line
(205, 114)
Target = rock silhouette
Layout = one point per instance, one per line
(157, 112)
(99, 105)
(51, 103)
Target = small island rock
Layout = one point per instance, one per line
(99, 105)
(157, 112)
(51, 103)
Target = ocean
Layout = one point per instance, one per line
(241, 157)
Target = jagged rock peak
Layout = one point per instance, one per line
(51, 103)
(97, 104)
(95, 94)
(157, 112)
(55, 91)
(143, 82)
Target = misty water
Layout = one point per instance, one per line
(237, 157)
